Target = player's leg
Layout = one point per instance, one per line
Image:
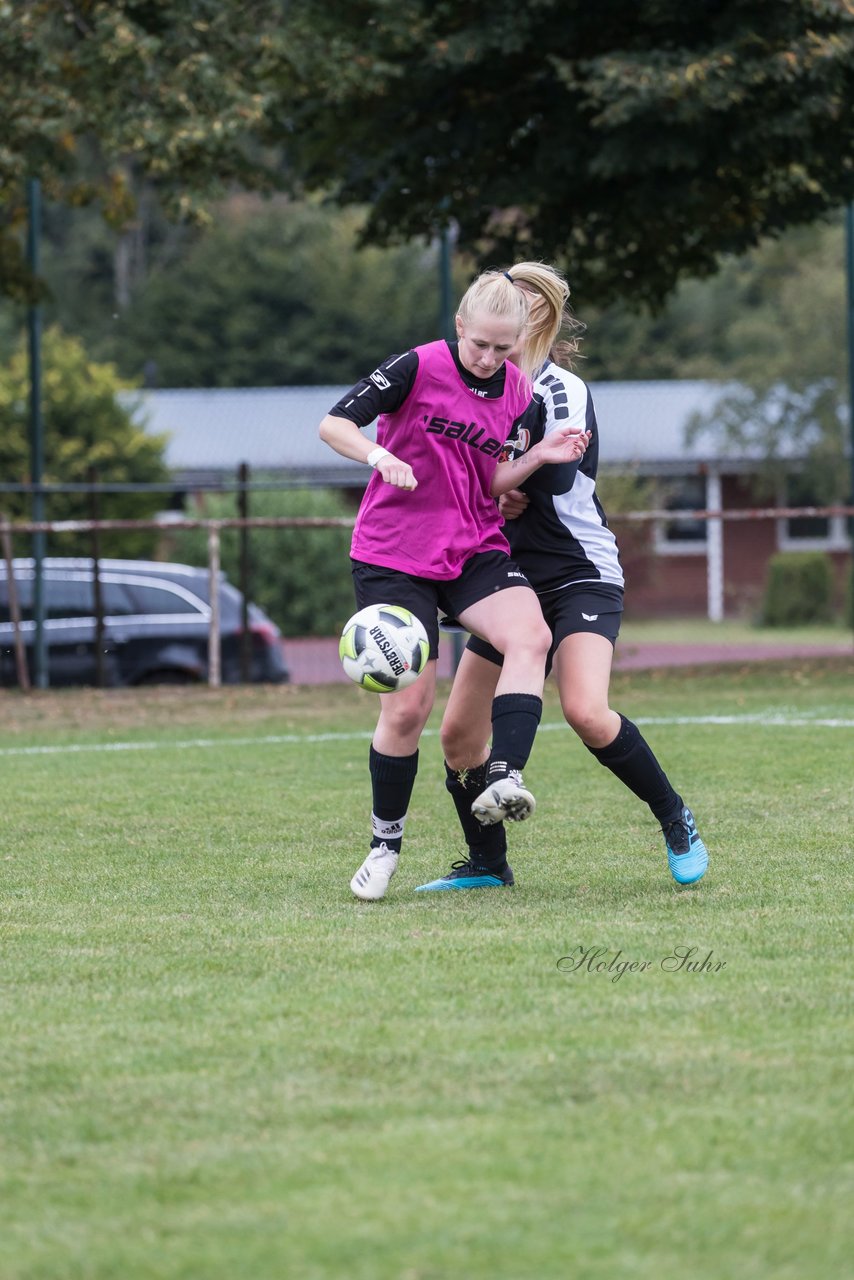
(511, 620)
(393, 755)
(465, 734)
(582, 669)
(393, 764)
(582, 672)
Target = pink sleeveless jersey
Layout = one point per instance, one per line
(451, 437)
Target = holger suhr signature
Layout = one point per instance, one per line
(605, 960)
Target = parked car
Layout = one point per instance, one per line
(156, 620)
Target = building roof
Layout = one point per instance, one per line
(211, 432)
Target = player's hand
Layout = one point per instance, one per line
(563, 445)
(512, 503)
(395, 472)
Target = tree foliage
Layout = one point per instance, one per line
(278, 295)
(777, 313)
(632, 141)
(96, 94)
(270, 292)
(778, 319)
(301, 577)
(783, 427)
(85, 429)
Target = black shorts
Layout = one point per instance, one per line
(595, 607)
(482, 575)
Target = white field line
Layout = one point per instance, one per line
(769, 720)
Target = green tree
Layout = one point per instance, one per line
(633, 141)
(775, 313)
(795, 432)
(779, 332)
(96, 97)
(301, 576)
(274, 292)
(278, 295)
(85, 427)
(778, 308)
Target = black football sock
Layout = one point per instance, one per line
(515, 720)
(487, 846)
(392, 780)
(630, 758)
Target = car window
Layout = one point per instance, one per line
(160, 600)
(24, 590)
(116, 600)
(68, 598)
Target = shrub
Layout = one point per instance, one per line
(798, 589)
(86, 428)
(300, 576)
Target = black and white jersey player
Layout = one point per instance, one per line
(563, 538)
(559, 536)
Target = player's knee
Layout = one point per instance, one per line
(532, 643)
(406, 713)
(449, 738)
(541, 638)
(587, 717)
(461, 746)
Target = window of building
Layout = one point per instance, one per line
(682, 535)
(808, 533)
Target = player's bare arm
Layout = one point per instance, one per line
(513, 503)
(346, 438)
(566, 444)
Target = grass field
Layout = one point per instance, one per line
(732, 632)
(216, 1064)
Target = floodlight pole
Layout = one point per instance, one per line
(446, 328)
(34, 326)
(849, 259)
(446, 325)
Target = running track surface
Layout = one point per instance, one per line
(315, 661)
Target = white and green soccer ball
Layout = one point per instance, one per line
(384, 647)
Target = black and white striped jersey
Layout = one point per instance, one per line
(563, 537)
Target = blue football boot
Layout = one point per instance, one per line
(687, 856)
(465, 875)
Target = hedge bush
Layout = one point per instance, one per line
(301, 577)
(798, 589)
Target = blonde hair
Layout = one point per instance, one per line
(494, 294)
(549, 314)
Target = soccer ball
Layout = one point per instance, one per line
(384, 647)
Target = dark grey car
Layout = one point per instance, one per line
(156, 620)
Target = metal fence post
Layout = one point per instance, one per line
(243, 513)
(21, 667)
(714, 549)
(214, 647)
(34, 326)
(95, 511)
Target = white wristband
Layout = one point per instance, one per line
(375, 455)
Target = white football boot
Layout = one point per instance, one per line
(504, 800)
(371, 880)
